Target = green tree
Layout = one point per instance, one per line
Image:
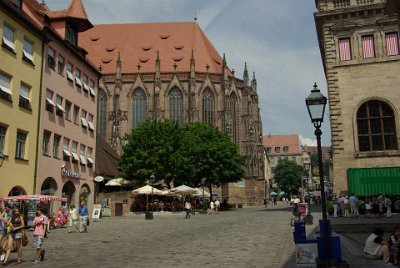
(150, 150)
(315, 166)
(288, 175)
(206, 152)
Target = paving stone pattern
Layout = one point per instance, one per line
(247, 237)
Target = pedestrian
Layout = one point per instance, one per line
(73, 218)
(188, 207)
(3, 232)
(212, 206)
(375, 206)
(40, 223)
(346, 203)
(368, 207)
(83, 217)
(217, 205)
(353, 201)
(341, 205)
(388, 205)
(381, 205)
(17, 225)
(394, 244)
(375, 247)
(335, 206)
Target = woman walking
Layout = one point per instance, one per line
(73, 218)
(3, 232)
(17, 226)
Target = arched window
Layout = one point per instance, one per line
(139, 107)
(175, 99)
(102, 113)
(234, 113)
(208, 106)
(376, 127)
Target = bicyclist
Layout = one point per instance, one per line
(296, 211)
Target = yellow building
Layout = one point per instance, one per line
(20, 83)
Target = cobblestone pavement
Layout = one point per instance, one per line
(247, 237)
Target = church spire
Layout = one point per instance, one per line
(245, 75)
(254, 82)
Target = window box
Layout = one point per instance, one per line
(24, 102)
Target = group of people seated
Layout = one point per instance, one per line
(376, 247)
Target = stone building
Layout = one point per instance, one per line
(359, 47)
(172, 71)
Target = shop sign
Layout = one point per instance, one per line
(69, 173)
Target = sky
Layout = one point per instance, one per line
(276, 38)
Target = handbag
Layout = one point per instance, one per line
(25, 240)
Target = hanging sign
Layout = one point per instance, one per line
(69, 173)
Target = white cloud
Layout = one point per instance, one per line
(307, 141)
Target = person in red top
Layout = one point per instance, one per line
(40, 224)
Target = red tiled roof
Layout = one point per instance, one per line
(292, 141)
(139, 43)
(326, 151)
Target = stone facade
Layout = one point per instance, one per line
(361, 79)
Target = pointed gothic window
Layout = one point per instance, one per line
(208, 107)
(139, 107)
(175, 99)
(102, 113)
(376, 127)
(234, 114)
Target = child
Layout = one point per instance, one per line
(394, 243)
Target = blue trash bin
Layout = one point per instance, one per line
(299, 233)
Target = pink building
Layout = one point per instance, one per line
(67, 133)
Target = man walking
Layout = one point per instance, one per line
(335, 206)
(83, 217)
(353, 206)
(388, 205)
(40, 223)
(188, 207)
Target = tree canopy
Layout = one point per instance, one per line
(182, 153)
(288, 175)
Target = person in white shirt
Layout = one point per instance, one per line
(376, 247)
(217, 205)
(188, 207)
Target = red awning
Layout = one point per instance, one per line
(42, 198)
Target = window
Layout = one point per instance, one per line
(392, 44)
(71, 36)
(368, 46)
(20, 147)
(175, 98)
(8, 38)
(102, 113)
(27, 51)
(75, 157)
(208, 107)
(269, 150)
(90, 122)
(376, 127)
(286, 149)
(5, 91)
(84, 123)
(139, 107)
(49, 101)
(17, 3)
(85, 82)
(82, 154)
(76, 114)
(51, 60)
(89, 158)
(277, 150)
(344, 49)
(3, 131)
(46, 142)
(59, 108)
(78, 81)
(91, 88)
(24, 100)
(56, 145)
(66, 152)
(69, 72)
(68, 106)
(60, 64)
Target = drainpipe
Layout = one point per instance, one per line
(39, 114)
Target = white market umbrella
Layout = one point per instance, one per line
(183, 189)
(147, 190)
(169, 193)
(118, 182)
(199, 192)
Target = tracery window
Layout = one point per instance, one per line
(234, 115)
(208, 106)
(102, 113)
(175, 99)
(376, 127)
(139, 107)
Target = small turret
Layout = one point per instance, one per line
(245, 75)
(254, 82)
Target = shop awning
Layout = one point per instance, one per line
(42, 198)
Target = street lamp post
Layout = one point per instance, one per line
(203, 181)
(316, 103)
(308, 218)
(149, 214)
